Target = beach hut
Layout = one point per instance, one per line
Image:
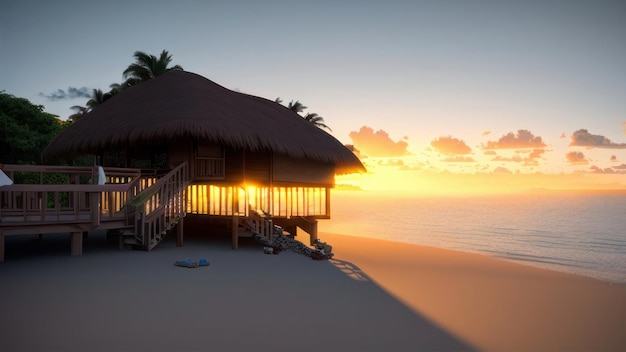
(248, 162)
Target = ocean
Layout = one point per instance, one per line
(584, 234)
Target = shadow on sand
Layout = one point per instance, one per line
(245, 300)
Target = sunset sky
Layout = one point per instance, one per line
(506, 93)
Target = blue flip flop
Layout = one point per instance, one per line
(186, 263)
(203, 262)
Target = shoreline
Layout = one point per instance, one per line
(519, 307)
(373, 295)
(558, 268)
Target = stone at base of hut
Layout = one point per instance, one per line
(281, 242)
(320, 255)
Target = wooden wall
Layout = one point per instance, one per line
(180, 150)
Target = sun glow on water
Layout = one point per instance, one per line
(428, 182)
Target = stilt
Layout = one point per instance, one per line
(235, 229)
(1, 247)
(179, 232)
(313, 232)
(77, 243)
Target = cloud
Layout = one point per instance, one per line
(598, 170)
(514, 159)
(490, 152)
(530, 160)
(521, 139)
(377, 144)
(502, 170)
(582, 138)
(620, 167)
(614, 158)
(449, 145)
(71, 93)
(563, 135)
(459, 159)
(576, 158)
(486, 133)
(391, 162)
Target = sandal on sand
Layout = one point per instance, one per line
(203, 262)
(186, 263)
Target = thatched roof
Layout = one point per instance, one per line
(184, 104)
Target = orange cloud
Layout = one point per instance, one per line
(521, 139)
(530, 160)
(598, 170)
(502, 170)
(377, 144)
(486, 133)
(449, 145)
(582, 138)
(459, 159)
(576, 158)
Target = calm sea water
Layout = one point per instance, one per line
(581, 234)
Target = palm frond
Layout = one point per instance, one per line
(296, 107)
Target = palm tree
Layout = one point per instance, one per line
(311, 117)
(296, 107)
(316, 120)
(147, 67)
(97, 98)
(116, 88)
(79, 113)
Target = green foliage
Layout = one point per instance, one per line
(147, 67)
(25, 130)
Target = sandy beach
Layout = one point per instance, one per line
(372, 296)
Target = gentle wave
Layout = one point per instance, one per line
(580, 234)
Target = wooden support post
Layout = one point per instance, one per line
(179, 232)
(77, 243)
(94, 203)
(314, 232)
(235, 230)
(1, 247)
(120, 239)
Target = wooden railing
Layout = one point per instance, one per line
(285, 202)
(70, 203)
(159, 207)
(260, 223)
(209, 168)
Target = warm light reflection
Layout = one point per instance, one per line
(446, 183)
(278, 201)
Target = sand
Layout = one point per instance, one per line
(373, 296)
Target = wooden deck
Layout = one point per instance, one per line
(143, 209)
(141, 206)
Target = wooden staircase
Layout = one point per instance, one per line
(157, 209)
(258, 223)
